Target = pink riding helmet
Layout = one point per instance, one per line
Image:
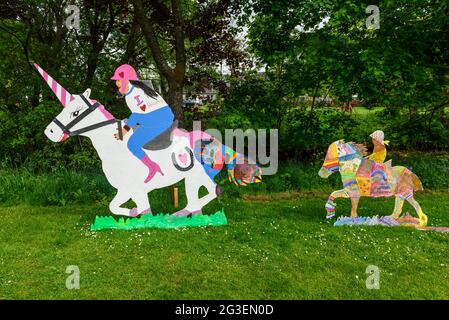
(124, 73)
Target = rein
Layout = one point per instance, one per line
(91, 108)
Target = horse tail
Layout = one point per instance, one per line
(213, 155)
(417, 184)
(242, 171)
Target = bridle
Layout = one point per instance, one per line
(91, 108)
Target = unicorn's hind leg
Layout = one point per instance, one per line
(119, 199)
(417, 207)
(194, 203)
(399, 203)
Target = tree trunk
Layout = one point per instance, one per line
(34, 99)
(163, 87)
(91, 67)
(175, 91)
(174, 76)
(443, 118)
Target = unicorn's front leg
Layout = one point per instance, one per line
(119, 199)
(142, 204)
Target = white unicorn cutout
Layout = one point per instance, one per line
(173, 151)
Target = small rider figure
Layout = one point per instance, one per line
(380, 151)
(150, 115)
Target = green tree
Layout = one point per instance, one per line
(327, 44)
(180, 34)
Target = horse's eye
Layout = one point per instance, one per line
(76, 113)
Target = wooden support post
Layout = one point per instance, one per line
(175, 197)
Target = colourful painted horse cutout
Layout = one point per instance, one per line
(365, 178)
(176, 156)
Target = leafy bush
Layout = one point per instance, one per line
(414, 133)
(63, 187)
(306, 133)
(24, 144)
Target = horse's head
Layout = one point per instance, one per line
(79, 112)
(331, 163)
(339, 152)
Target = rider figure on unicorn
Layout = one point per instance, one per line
(150, 115)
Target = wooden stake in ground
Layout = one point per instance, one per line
(175, 197)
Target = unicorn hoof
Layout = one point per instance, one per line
(185, 213)
(197, 213)
(134, 213)
(144, 212)
(181, 213)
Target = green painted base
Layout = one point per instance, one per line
(161, 221)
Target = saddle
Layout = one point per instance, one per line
(162, 141)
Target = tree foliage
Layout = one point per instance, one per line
(326, 44)
(110, 33)
(283, 58)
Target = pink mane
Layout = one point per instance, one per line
(103, 110)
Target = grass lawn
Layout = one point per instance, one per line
(276, 246)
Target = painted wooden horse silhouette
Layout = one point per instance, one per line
(366, 178)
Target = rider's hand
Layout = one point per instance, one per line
(124, 132)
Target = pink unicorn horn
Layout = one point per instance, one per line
(62, 94)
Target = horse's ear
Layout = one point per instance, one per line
(87, 93)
